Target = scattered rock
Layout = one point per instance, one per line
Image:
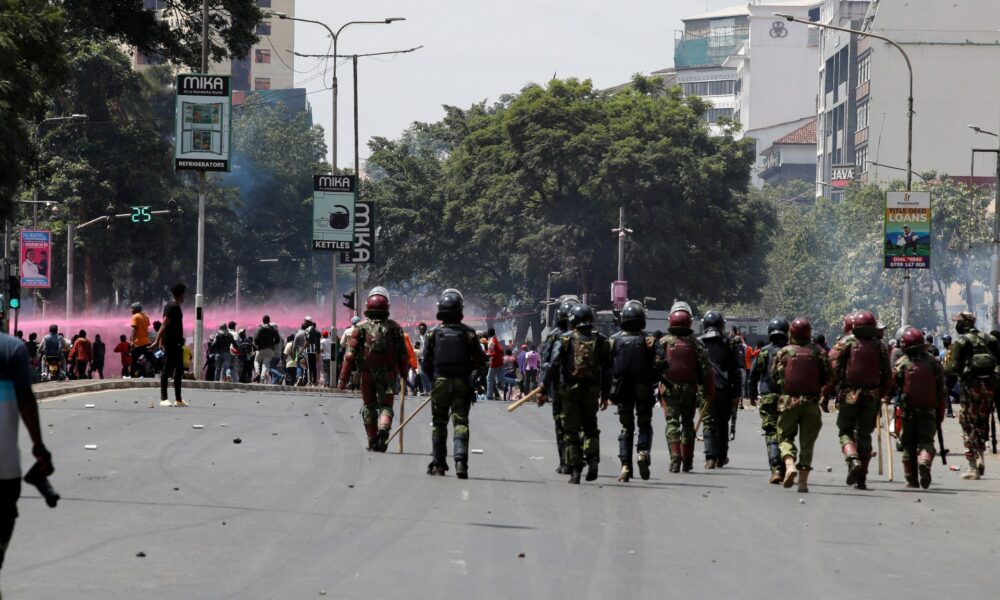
(917, 501)
(803, 501)
(829, 469)
(223, 522)
(140, 554)
(237, 441)
(520, 555)
(633, 552)
(351, 486)
(177, 489)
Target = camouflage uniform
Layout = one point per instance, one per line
(681, 399)
(377, 349)
(584, 387)
(556, 392)
(452, 355)
(968, 359)
(859, 403)
(799, 414)
(921, 384)
(766, 392)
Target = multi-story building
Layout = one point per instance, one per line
(954, 49)
(791, 157)
(269, 64)
(750, 66)
(837, 123)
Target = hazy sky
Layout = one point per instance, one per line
(475, 50)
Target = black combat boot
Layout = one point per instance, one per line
(675, 457)
(625, 455)
(461, 458)
(563, 468)
(439, 453)
(382, 441)
(591, 469)
(574, 475)
(644, 463)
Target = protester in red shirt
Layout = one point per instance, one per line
(494, 378)
(80, 355)
(125, 350)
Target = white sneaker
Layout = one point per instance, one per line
(166, 403)
(181, 403)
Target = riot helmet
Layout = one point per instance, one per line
(633, 316)
(801, 330)
(777, 330)
(450, 306)
(581, 316)
(377, 306)
(679, 323)
(713, 320)
(965, 322)
(562, 315)
(865, 324)
(913, 341)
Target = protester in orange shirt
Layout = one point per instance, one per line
(140, 337)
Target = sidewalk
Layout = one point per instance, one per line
(52, 389)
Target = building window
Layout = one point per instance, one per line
(241, 74)
(262, 83)
(864, 69)
(264, 3)
(144, 59)
(862, 159)
(262, 56)
(710, 88)
(714, 114)
(264, 28)
(862, 116)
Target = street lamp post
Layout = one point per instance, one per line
(995, 261)
(907, 290)
(333, 126)
(548, 297)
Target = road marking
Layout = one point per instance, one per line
(461, 566)
(465, 495)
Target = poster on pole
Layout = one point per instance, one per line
(203, 136)
(364, 236)
(33, 262)
(907, 227)
(334, 200)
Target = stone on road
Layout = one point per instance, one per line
(309, 511)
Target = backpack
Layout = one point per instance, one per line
(377, 345)
(982, 364)
(584, 365)
(51, 346)
(864, 364)
(802, 372)
(682, 360)
(921, 385)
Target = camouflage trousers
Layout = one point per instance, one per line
(977, 405)
(802, 419)
(635, 405)
(681, 400)
(768, 405)
(919, 428)
(450, 397)
(378, 389)
(859, 408)
(557, 394)
(581, 437)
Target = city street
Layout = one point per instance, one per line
(299, 509)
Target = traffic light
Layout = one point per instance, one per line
(14, 292)
(111, 217)
(349, 300)
(173, 211)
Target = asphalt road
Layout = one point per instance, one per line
(300, 510)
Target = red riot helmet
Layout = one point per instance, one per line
(801, 329)
(680, 318)
(913, 340)
(377, 306)
(864, 318)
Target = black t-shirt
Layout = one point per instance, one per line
(173, 329)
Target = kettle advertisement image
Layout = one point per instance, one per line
(340, 218)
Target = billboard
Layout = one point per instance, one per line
(33, 259)
(364, 236)
(203, 132)
(334, 198)
(907, 227)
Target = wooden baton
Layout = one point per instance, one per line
(408, 419)
(524, 399)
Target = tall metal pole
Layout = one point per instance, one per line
(237, 293)
(621, 243)
(199, 294)
(357, 176)
(333, 158)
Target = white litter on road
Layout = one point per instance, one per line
(197, 426)
(88, 406)
(90, 447)
(476, 451)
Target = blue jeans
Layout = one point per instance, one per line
(494, 379)
(225, 365)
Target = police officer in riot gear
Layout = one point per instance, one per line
(725, 358)
(582, 358)
(634, 378)
(765, 391)
(554, 390)
(452, 354)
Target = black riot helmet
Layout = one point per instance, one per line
(713, 320)
(449, 306)
(633, 316)
(777, 328)
(581, 316)
(562, 316)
